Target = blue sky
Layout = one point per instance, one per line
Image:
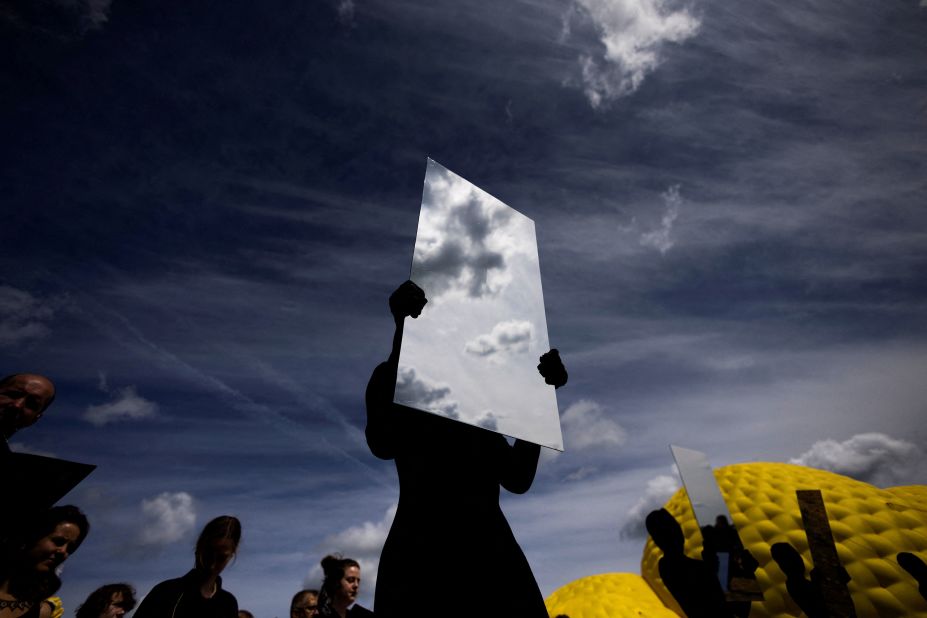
(205, 207)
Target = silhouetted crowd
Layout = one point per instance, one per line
(450, 477)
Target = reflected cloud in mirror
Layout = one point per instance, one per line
(472, 355)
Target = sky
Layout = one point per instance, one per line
(205, 207)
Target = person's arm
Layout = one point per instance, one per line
(407, 300)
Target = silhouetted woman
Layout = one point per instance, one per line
(340, 586)
(199, 593)
(450, 551)
(29, 559)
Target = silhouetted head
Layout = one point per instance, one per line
(217, 544)
(342, 580)
(305, 604)
(109, 601)
(665, 532)
(788, 559)
(24, 397)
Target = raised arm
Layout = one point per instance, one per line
(407, 300)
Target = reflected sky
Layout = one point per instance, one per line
(472, 355)
(701, 486)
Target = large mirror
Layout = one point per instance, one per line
(472, 355)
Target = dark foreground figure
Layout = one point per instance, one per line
(450, 551)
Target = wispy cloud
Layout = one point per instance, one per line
(871, 457)
(363, 543)
(660, 238)
(126, 404)
(23, 317)
(633, 33)
(585, 424)
(167, 518)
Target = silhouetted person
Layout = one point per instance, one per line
(721, 542)
(449, 518)
(916, 567)
(24, 397)
(693, 583)
(29, 560)
(340, 586)
(806, 593)
(109, 601)
(305, 604)
(199, 593)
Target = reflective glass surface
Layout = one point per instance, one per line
(701, 486)
(472, 355)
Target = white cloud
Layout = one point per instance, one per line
(362, 543)
(659, 490)
(23, 317)
(660, 238)
(127, 404)
(633, 32)
(19, 447)
(586, 425)
(167, 518)
(509, 336)
(870, 457)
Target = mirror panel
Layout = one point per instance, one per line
(472, 354)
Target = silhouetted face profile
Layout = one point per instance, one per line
(53, 549)
(349, 585)
(23, 399)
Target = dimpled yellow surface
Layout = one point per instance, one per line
(610, 595)
(870, 526)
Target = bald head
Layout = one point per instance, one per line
(23, 399)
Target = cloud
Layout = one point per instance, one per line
(461, 244)
(488, 420)
(167, 518)
(23, 317)
(510, 336)
(362, 543)
(659, 490)
(127, 404)
(660, 238)
(869, 457)
(19, 447)
(633, 33)
(421, 393)
(585, 425)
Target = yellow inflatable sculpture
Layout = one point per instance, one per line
(870, 526)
